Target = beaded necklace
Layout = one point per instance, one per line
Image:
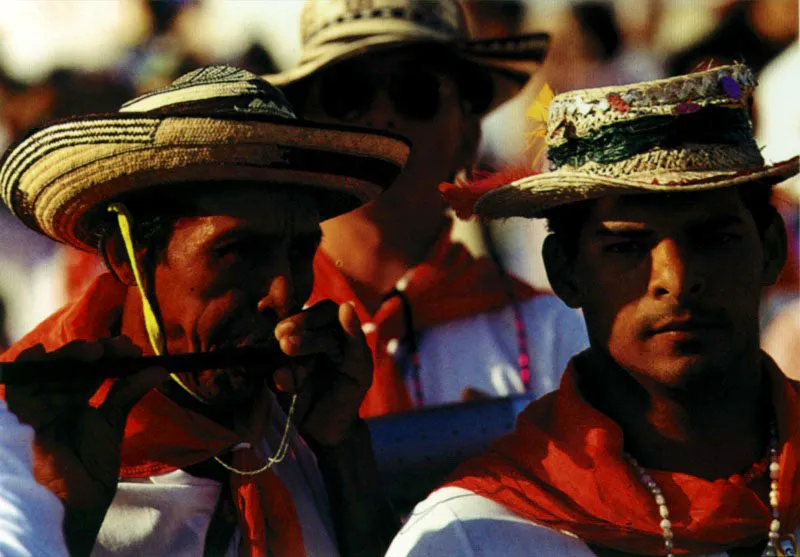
(774, 473)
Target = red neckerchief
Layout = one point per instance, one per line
(450, 284)
(161, 436)
(564, 467)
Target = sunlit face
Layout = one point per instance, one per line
(436, 141)
(228, 275)
(670, 286)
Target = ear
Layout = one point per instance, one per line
(560, 267)
(116, 259)
(774, 246)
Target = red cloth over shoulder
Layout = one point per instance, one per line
(161, 436)
(449, 285)
(564, 467)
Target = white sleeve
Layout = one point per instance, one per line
(432, 530)
(455, 521)
(31, 517)
(556, 333)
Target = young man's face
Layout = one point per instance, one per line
(670, 286)
(228, 276)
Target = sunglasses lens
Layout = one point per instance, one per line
(415, 94)
(345, 92)
(478, 92)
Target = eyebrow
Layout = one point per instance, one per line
(635, 230)
(721, 221)
(247, 233)
(622, 230)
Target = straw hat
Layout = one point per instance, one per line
(337, 30)
(217, 124)
(686, 133)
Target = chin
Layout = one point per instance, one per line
(686, 367)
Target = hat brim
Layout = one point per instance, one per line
(60, 177)
(508, 64)
(532, 196)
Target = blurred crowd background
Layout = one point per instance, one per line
(60, 58)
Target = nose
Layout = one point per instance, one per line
(279, 296)
(381, 114)
(676, 272)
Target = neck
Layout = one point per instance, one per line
(714, 428)
(376, 245)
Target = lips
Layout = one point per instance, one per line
(687, 325)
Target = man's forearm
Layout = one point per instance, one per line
(364, 521)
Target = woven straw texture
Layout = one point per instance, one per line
(60, 177)
(337, 30)
(580, 116)
(579, 113)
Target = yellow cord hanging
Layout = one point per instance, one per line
(151, 324)
(125, 222)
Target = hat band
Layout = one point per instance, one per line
(424, 17)
(687, 163)
(622, 140)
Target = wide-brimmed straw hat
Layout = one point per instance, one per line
(683, 134)
(216, 124)
(333, 31)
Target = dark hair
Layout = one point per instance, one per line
(153, 222)
(566, 222)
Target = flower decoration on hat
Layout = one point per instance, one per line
(462, 195)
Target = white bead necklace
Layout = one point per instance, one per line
(666, 525)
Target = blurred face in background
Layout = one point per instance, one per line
(416, 96)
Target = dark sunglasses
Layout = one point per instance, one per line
(348, 90)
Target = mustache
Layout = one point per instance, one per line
(237, 331)
(684, 317)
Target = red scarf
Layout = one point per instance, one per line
(450, 284)
(564, 468)
(161, 436)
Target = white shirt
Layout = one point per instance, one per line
(170, 514)
(455, 521)
(31, 517)
(481, 351)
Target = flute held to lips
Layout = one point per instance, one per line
(267, 358)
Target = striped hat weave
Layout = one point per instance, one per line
(217, 124)
(333, 31)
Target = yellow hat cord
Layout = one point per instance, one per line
(151, 324)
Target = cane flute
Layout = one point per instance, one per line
(267, 358)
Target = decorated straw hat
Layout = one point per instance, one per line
(333, 31)
(215, 124)
(681, 134)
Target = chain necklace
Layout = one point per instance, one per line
(280, 454)
(666, 525)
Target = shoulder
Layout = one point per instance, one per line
(551, 310)
(455, 521)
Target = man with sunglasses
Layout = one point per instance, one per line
(442, 324)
